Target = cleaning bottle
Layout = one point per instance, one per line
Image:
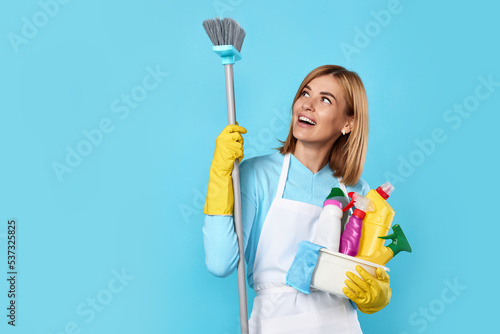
(399, 244)
(329, 224)
(349, 242)
(377, 223)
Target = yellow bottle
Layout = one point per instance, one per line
(376, 223)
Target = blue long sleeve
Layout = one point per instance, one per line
(219, 236)
(221, 244)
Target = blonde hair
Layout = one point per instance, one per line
(347, 155)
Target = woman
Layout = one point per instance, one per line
(282, 195)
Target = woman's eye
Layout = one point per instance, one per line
(305, 93)
(324, 99)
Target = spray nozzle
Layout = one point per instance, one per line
(362, 203)
(399, 242)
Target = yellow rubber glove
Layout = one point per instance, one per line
(371, 294)
(228, 148)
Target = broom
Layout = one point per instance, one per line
(227, 37)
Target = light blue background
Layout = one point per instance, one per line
(134, 204)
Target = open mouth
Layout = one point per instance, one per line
(306, 120)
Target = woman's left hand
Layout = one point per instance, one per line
(371, 294)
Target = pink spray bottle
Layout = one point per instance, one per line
(349, 242)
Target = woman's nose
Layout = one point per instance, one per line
(308, 105)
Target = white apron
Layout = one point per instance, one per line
(279, 308)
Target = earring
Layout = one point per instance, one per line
(343, 132)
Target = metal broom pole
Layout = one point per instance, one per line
(227, 37)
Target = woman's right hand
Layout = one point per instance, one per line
(228, 148)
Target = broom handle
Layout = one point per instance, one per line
(238, 224)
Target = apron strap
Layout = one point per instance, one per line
(342, 186)
(344, 189)
(283, 176)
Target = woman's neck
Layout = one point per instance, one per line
(311, 156)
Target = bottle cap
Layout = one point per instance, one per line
(385, 190)
(360, 214)
(333, 202)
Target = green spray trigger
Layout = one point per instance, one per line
(399, 241)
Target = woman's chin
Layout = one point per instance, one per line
(302, 135)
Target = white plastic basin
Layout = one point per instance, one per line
(330, 272)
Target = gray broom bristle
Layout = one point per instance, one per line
(225, 32)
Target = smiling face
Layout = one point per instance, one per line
(319, 113)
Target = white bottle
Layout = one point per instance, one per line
(330, 222)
